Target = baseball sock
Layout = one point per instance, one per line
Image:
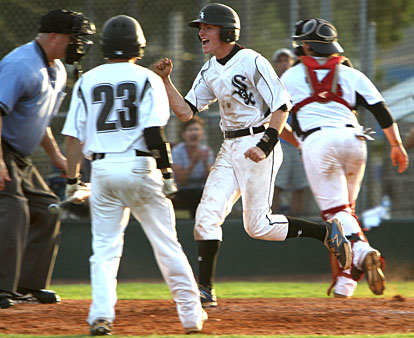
(302, 228)
(207, 259)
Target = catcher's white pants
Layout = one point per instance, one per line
(120, 183)
(334, 160)
(232, 176)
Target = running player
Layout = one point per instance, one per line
(325, 93)
(253, 108)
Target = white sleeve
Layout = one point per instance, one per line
(269, 85)
(75, 124)
(154, 106)
(367, 89)
(200, 94)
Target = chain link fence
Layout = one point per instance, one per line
(378, 36)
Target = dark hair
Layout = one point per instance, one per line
(188, 123)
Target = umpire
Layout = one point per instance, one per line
(32, 81)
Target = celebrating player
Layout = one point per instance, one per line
(325, 93)
(253, 108)
(116, 118)
(32, 81)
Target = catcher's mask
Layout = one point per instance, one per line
(220, 15)
(320, 34)
(70, 22)
(122, 38)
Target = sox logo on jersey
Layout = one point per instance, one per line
(239, 82)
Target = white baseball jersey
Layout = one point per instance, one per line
(248, 90)
(334, 157)
(111, 106)
(246, 87)
(332, 113)
(109, 117)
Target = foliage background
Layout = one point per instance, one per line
(376, 35)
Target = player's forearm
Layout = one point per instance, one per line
(278, 120)
(177, 103)
(393, 135)
(288, 136)
(73, 155)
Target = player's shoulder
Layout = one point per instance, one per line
(249, 52)
(351, 73)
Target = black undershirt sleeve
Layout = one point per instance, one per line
(380, 111)
(193, 108)
(158, 146)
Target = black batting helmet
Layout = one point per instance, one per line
(122, 38)
(220, 15)
(319, 33)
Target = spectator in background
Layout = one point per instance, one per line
(282, 60)
(291, 178)
(191, 164)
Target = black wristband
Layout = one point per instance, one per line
(268, 141)
(72, 180)
(167, 175)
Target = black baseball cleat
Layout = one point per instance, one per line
(42, 296)
(337, 243)
(207, 296)
(6, 299)
(101, 327)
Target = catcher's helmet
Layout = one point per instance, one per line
(319, 33)
(122, 38)
(220, 15)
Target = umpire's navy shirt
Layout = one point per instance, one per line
(31, 93)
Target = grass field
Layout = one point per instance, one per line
(134, 290)
(235, 290)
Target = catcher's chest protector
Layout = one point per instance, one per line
(328, 88)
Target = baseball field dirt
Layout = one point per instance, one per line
(258, 316)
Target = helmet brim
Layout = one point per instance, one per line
(196, 23)
(326, 48)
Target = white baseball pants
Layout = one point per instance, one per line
(120, 183)
(232, 176)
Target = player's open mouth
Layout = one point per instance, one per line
(204, 41)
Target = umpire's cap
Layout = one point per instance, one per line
(320, 34)
(220, 15)
(66, 22)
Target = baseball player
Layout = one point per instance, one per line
(32, 81)
(116, 118)
(254, 106)
(325, 94)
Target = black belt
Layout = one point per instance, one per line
(305, 134)
(243, 132)
(100, 156)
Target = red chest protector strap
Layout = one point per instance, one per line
(326, 90)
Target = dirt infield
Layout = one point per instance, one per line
(258, 316)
